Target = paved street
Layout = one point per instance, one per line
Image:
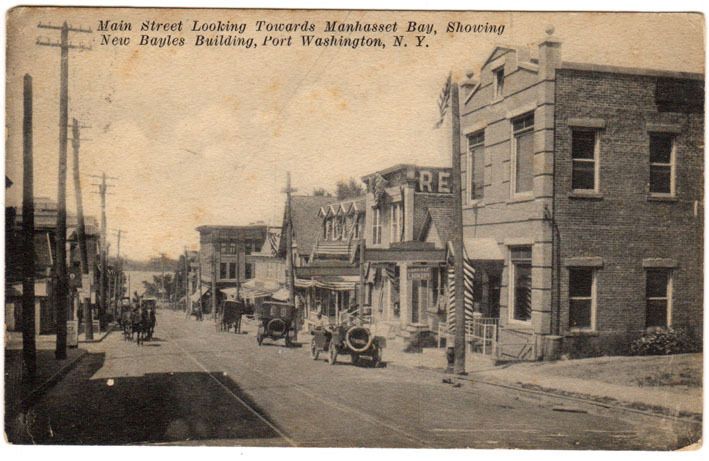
(196, 386)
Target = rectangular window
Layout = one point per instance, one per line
(395, 223)
(376, 227)
(232, 248)
(224, 248)
(476, 165)
(499, 77)
(584, 159)
(582, 298)
(328, 229)
(523, 154)
(662, 164)
(222, 270)
(232, 270)
(521, 286)
(658, 295)
(248, 271)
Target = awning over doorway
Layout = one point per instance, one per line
(482, 249)
(197, 295)
(336, 282)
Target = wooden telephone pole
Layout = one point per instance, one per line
(459, 341)
(29, 347)
(290, 275)
(103, 191)
(60, 269)
(81, 234)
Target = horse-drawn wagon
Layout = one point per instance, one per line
(276, 320)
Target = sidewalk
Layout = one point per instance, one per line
(49, 372)
(657, 384)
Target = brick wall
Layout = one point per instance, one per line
(621, 225)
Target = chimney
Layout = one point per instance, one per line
(549, 55)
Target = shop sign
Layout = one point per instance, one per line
(419, 273)
(72, 333)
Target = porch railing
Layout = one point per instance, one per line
(481, 333)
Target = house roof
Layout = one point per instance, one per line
(423, 202)
(442, 219)
(306, 225)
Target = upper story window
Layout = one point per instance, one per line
(328, 229)
(337, 229)
(476, 166)
(522, 154)
(498, 82)
(376, 226)
(662, 164)
(585, 152)
(395, 222)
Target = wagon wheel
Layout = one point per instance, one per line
(355, 358)
(314, 351)
(332, 354)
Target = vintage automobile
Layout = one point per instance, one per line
(275, 320)
(356, 340)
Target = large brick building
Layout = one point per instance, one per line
(582, 204)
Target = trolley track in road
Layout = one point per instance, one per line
(333, 404)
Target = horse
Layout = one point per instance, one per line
(152, 321)
(144, 326)
(126, 324)
(136, 327)
(231, 315)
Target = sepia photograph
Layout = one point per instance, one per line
(354, 228)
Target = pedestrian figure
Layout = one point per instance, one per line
(126, 323)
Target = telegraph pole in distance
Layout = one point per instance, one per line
(103, 191)
(29, 347)
(290, 276)
(81, 234)
(62, 288)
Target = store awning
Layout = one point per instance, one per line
(482, 249)
(197, 295)
(304, 283)
(337, 283)
(263, 288)
(230, 293)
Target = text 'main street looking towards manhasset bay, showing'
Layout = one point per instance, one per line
(252, 34)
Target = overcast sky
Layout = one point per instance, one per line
(206, 136)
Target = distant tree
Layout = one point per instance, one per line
(321, 192)
(158, 285)
(350, 188)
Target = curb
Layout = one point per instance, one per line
(103, 336)
(654, 411)
(51, 381)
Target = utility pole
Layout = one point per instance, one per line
(81, 234)
(290, 276)
(214, 283)
(459, 341)
(188, 301)
(60, 270)
(290, 271)
(29, 348)
(118, 282)
(103, 191)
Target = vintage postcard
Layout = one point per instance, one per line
(352, 228)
